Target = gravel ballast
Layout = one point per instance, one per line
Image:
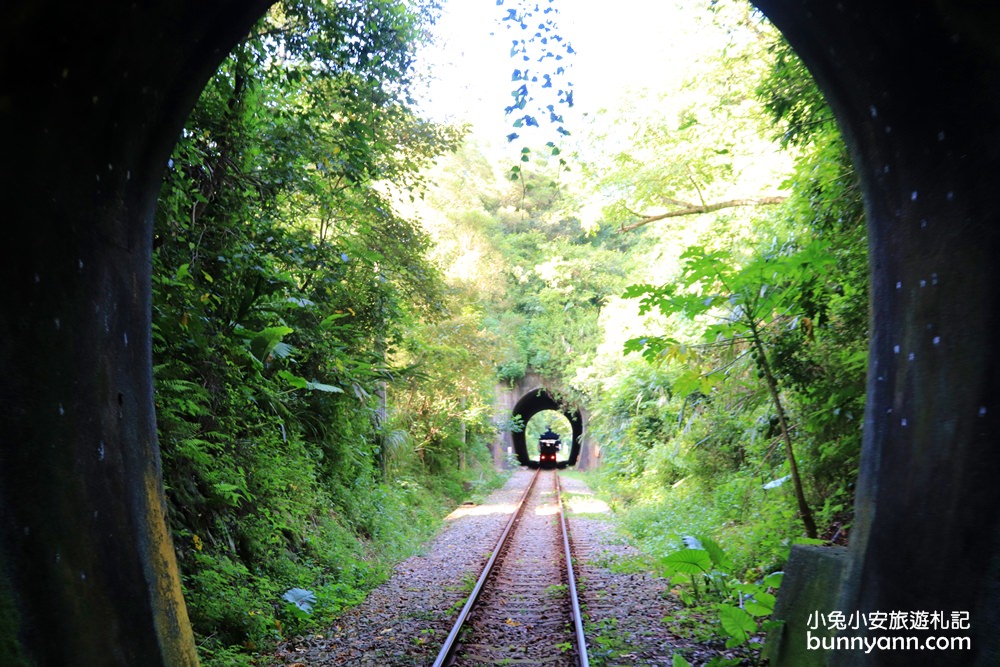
(405, 620)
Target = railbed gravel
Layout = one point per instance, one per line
(624, 607)
(406, 619)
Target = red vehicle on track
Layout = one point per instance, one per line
(548, 448)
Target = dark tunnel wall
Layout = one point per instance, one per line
(528, 406)
(92, 96)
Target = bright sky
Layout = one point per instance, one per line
(627, 43)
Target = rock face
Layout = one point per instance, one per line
(811, 585)
(92, 96)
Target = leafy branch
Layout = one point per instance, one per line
(745, 301)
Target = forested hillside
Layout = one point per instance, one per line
(320, 397)
(339, 283)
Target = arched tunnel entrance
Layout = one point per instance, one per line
(92, 98)
(534, 402)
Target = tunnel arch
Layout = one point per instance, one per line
(538, 400)
(913, 89)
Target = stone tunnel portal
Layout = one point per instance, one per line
(533, 402)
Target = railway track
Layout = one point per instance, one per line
(524, 608)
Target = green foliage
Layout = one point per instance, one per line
(605, 645)
(791, 97)
(716, 592)
(679, 661)
(754, 340)
(325, 366)
(778, 313)
(745, 303)
(700, 142)
(558, 279)
(509, 372)
(286, 288)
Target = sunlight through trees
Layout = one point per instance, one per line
(341, 282)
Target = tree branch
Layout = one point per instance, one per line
(701, 197)
(694, 209)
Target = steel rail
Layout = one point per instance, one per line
(449, 644)
(581, 640)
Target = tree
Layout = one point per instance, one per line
(750, 303)
(698, 146)
(284, 279)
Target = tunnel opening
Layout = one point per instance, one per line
(539, 401)
(548, 433)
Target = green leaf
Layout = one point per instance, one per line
(301, 598)
(281, 350)
(766, 599)
(773, 580)
(298, 382)
(233, 494)
(688, 561)
(757, 608)
(737, 623)
(293, 380)
(687, 383)
(264, 342)
(329, 320)
(719, 557)
(635, 345)
(685, 597)
(319, 386)
(680, 661)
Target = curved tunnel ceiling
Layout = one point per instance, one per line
(530, 404)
